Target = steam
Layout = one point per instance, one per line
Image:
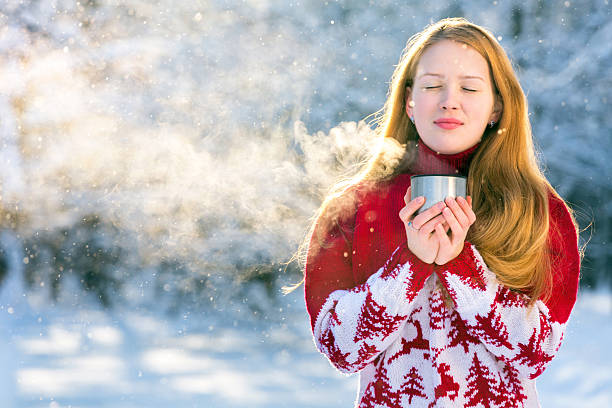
(205, 134)
(189, 158)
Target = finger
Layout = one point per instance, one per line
(413, 206)
(408, 195)
(467, 209)
(458, 211)
(428, 214)
(446, 226)
(442, 236)
(456, 228)
(427, 228)
(469, 201)
(404, 214)
(430, 225)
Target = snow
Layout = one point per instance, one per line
(197, 127)
(203, 135)
(124, 358)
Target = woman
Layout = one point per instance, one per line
(466, 303)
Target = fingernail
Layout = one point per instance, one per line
(441, 205)
(420, 199)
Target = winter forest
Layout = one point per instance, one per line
(161, 162)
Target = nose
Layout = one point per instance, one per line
(449, 99)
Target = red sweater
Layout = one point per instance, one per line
(375, 308)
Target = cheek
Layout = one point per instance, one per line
(480, 109)
(423, 104)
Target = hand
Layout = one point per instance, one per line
(459, 216)
(420, 230)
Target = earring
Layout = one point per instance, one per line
(412, 118)
(491, 123)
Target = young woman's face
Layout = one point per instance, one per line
(452, 98)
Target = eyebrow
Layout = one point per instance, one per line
(462, 76)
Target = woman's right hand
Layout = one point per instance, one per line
(422, 241)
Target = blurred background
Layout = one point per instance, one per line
(161, 161)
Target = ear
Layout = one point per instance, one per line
(498, 108)
(408, 100)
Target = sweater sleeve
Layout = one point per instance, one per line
(352, 324)
(524, 336)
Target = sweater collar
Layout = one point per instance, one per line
(430, 162)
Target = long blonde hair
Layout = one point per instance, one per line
(509, 192)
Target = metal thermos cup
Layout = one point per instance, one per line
(436, 187)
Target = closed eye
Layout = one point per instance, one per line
(469, 89)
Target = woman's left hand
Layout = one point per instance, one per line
(459, 217)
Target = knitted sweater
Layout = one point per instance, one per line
(376, 309)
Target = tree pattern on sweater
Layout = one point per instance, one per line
(481, 385)
(438, 313)
(328, 342)
(509, 384)
(508, 298)
(532, 353)
(375, 321)
(459, 334)
(498, 364)
(412, 348)
(413, 387)
(381, 392)
(492, 328)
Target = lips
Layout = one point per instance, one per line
(448, 123)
